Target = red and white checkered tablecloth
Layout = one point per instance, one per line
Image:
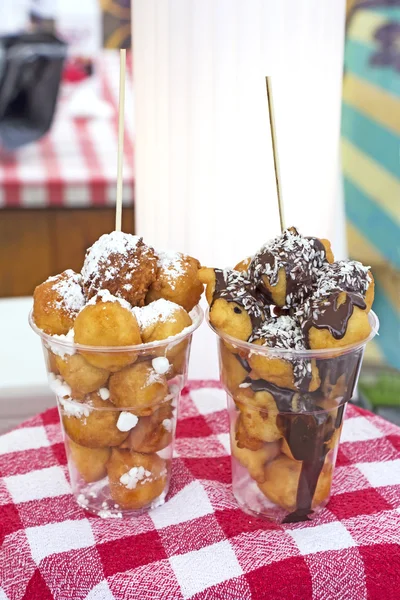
(75, 165)
(199, 544)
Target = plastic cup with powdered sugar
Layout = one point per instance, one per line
(105, 479)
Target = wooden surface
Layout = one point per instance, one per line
(37, 243)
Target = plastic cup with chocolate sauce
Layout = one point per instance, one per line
(284, 441)
(119, 430)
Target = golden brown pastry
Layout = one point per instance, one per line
(254, 460)
(152, 433)
(285, 269)
(92, 423)
(57, 301)
(107, 321)
(258, 413)
(89, 462)
(282, 479)
(80, 374)
(122, 264)
(234, 309)
(177, 280)
(136, 479)
(138, 387)
(283, 333)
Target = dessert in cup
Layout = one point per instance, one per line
(116, 339)
(292, 324)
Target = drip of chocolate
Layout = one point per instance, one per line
(306, 427)
(233, 286)
(243, 363)
(300, 257)
(284, 332)
(326, 313)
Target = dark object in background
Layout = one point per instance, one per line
(31, 66)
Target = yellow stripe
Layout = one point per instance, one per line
(361, 249)
(371, 179)
(363, 26)
(372, 101)
(389, 281)
(373, 353)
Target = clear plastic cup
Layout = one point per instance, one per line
(119, 426)
(284, 441)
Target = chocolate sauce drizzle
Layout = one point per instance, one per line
(301, 259)
(233, 286)
(307, 428)
(326, 313)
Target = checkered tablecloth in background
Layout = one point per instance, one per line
(199, 544)
(75, 165)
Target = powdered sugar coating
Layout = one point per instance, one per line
(121, 263)
(106, 296)
(171, 265)
(158, 311)
(62, 350)
(117, 243)
(68, 287)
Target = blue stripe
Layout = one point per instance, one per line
(373, 222)
(389, 338)
(392, 13)
(357, 58)
(377, 141)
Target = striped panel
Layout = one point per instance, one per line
(372, 101)
(388, 282)
(392, 13)
(378, 142)
(360, 247)
(375, 224)
(372, 179)
(389, 338)
(357, 59)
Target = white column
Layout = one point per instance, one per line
(204, 169)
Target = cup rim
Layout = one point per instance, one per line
(288, 352)
(196, 314)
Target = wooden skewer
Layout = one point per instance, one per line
(121, 123)
(268, 81)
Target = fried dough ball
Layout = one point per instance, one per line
(286, 268)
(163, 319)
(349, 276)
(243, 265)
(51, 362)
(89, 462)
(57, 301)
(336, 321)
(122, 264)
(243, 439)
(107, 322)
(258, 413)
(282, 480)
(136, 479)
(152, 433)
(253, 460)
(283, 332)
(234, 309)
(80, 375)
(233, 372)
(91, 427)
(281, 372)
(139, 388)
(177, 280)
